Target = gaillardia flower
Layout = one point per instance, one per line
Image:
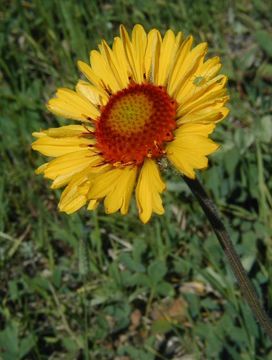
(148, 97)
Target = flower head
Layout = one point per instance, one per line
(146, 98)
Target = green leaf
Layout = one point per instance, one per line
(194, 304)
(161, 326)
(26, 345)
(156, 271)
(231, 160)
(83, 257)
(142, 280)
(131, 264)
(264, 39)
(69, 344)
(165, 289)
(139, 247)
(250, 322)
(266, 126)
(13, 290)
(265, 72)
(9, 341)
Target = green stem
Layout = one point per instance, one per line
(245, 284)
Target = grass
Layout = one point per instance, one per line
(91, 286)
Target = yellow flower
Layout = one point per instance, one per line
(146, 98)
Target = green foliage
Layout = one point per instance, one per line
(90, 285)
(12, 346)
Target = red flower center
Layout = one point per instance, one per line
(135, 124)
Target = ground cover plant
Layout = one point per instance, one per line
(92, 286)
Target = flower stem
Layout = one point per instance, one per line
(244, 282)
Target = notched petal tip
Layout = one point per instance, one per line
(38, 135)
(41, 169)
(81, 64)
(148, 190)
(144, 219)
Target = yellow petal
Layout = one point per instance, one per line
(67, 131)
(92, 93)
(118, 69)
(153, 37)
(37, 134)
(205, 115)
(154, 70)
(119, 53)
(71, 196)
(148, 190)
(50, 146)
(182, 53)
(103, 71)
(139, 40)
(71, 105)
(214, 90)
(93, 204)
(179, 39)
(167, 55)
(75, 202)
(195, 129)
(75, 194)
(91, 76)
(62, 180)
(116, 186)
(104, 183)
(64, 131)
(205, 72)
(130, 51)
(209, 105)
(190, 147)
(188, 69)
(63, 169)
(71, 164)
(210, 67)
(41, 169)
(190, 65)
(120, 195)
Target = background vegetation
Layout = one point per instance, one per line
(90, 286)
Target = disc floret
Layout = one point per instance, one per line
(135, 124)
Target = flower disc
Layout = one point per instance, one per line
(135, 124)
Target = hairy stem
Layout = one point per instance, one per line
(245, 284)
